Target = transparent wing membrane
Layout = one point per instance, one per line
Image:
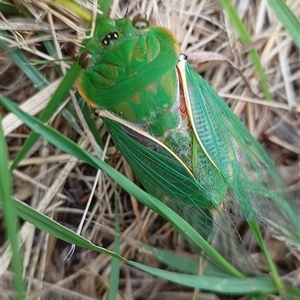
(253, 179)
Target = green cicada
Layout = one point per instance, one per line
(182, 141)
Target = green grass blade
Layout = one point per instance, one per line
(287, 19)
(185, 264)
(90, 121)
(115, 265)
(69, 113)
(58, 97)
(223, 286)
(8, 8)
(246, 39)
(259, 239)
(19, 58)
(52, 227)
(10, 218)
(233, 286)
(75, 8)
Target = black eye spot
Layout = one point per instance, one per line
(84, 59)
(109, 37)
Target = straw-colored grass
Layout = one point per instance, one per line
(60, 186)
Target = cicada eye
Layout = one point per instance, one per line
(140, 22)
(84, 59)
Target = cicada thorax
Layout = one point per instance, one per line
(129, 69)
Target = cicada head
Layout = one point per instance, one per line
(123, 57)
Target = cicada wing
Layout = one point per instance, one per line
(161, 173)
(253, 179)
(166, 177)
